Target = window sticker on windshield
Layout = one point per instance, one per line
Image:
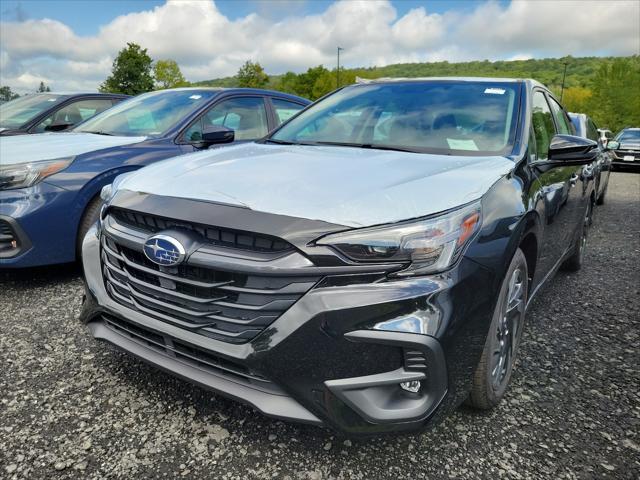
(495, 91)
(457, 144)
(195, 97)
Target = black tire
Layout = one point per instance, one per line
(600, 200)
(493, 373)
(575, 261)
(89, 217)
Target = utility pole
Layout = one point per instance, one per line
(563, 77)
(338, 69)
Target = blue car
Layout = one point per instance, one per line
(50, 183)
(52, 112)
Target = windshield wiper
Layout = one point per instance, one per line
(98, 132)
(367, 145)
(280, 142)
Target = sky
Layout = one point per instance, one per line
(70, 45)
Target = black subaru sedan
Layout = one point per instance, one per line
(366, 266)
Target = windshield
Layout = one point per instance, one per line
(450, 117)
(629, 136)
(149, 115)
(16, 113)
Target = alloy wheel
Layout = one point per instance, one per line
(508, 328)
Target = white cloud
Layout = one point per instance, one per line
(207, 44)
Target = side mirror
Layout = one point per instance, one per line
(572, 149)
(57, 127)
(613, 145)
(217, 134)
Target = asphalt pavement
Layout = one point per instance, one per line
(74, 408)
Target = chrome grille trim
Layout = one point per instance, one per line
(235, 309)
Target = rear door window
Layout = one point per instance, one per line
(562, 121)
(592, 131)
(284, 109)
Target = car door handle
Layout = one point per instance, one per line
(574, 179)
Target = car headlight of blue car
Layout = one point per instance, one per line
(24, 175)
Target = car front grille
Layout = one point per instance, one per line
(626, 153)
(225, 305)
(187, 353)
(214, 235)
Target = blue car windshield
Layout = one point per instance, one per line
(18, 112)
(447, 117)
(150, 115)
(629, 136)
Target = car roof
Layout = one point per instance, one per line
(530, 81)
(578, 115)
(81, 94)
(231, 90)
(437, 79)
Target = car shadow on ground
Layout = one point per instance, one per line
(40, 275)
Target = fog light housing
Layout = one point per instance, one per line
(412, 387)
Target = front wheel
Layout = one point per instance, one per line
(575, 261)
(89, 217)
(493, 373)
(600, 200)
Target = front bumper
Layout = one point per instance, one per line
(43, 220)
(625, 158)
(322, 361)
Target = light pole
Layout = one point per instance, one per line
(563, 77)
(338, 69)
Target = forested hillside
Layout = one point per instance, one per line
(607, 88)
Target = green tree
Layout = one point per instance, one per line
(7, 94)
(43, 88)
(251, 75)
(131, 72)
(615, 102)
(576, 99)
(614, 82)
(287, 83)
(168, 75)
(325, 83)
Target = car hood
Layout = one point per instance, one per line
(49, 146)
(341, 185)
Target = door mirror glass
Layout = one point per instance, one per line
(571, 148)
(613, 145)
(214, 134)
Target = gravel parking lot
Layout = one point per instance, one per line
(73, 408)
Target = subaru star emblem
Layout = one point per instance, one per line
(164, 250)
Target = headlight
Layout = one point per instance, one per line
(106, 193)
(28, 174)
(430, 245)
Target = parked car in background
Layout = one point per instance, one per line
(625, 149)
(586, 128)
(50, 184)
(52, 112)
(366, 266)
